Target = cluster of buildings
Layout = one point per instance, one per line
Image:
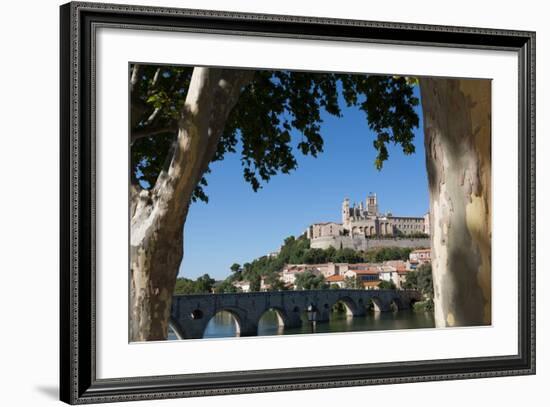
(364, 227)
(367, 275)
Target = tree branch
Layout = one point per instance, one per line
(174, 187)
(156, 78)
(135, 76)
(211, 96)
(226, 96)
(142, 132)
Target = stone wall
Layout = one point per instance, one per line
(360, 243)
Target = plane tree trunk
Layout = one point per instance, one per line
(457, 129)
(158, 215)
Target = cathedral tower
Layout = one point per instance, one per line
(372, 205)
(345, 211)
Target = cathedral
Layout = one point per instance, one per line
(366, 222)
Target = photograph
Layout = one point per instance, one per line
(283, 202)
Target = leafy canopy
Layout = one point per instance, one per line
(278, 112)
(203, 284)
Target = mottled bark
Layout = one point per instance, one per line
(457, 127)
(158, 215)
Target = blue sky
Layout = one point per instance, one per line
(239, 225)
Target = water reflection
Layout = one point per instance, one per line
(270, 324)
(223, 324)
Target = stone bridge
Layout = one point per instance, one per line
(191, 313)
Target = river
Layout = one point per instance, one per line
(223, 325)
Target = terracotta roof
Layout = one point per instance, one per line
(334, 278)
(357, 265)
(398, 264)
(371, 283)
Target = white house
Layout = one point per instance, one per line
(387, 273)
(419, 257)
(335, 279)
(243, 286)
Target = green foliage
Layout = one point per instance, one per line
(353, 282)
(421, 279)
(255, 283)
(226, 286)
(346, 256)
(339, 307)
(309, 281)
(274, 283)
(424, 306)
(386, 285)
(184, 286)
(276, 113)
(162, 90)
(201, 285)
(387, 253)
(293, 250)
(297, 251)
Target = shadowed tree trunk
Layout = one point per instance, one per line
(158, 215)
(457, 127)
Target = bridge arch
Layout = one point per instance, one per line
(233, 313)
(282, 317)
(403, 303)
(378, 304)
(398, 304)
(176, 328)
(350, 306)
(412, 301)
(197, 314)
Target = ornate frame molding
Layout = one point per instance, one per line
(78, 380)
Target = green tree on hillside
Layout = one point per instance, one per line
(225, 286)
(386, 285)
(421, 280)
(202, 285)
(309, 281)
(353, 282)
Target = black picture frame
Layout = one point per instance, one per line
(78, 382)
